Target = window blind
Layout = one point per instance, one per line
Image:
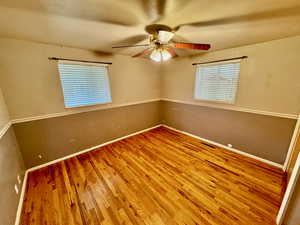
(84, 84)
(217, 82)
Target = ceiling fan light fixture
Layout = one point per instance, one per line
(161, 46)
(159, 55)
(165, 55)
(156, 55)
(165, 36)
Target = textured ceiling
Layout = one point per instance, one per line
(100, 24)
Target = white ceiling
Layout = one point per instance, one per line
(100, 24)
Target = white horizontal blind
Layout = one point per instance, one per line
(217, 82)
(84, 84)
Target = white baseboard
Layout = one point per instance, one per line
(228, 148)
(292, 144)
(90, 149)
(21, 199)
(19, 210)
(142, 131)
(289, 192)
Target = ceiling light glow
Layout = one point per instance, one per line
(159, 55)
(156, 55)
(165, 55)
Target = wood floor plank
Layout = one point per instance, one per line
(159, 177)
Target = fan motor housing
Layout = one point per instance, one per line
(153, 29)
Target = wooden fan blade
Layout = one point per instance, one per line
(129, 46)
(171, 51)
(191, 45)
(142, 53)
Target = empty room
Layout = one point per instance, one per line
(149, 112)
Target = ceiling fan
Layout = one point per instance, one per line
(161, 46)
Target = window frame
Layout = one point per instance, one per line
(61, 61)
(218, 101)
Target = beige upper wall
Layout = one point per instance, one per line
(269, 78)
(31, 85)
(4, 117)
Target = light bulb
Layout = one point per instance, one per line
(165, 55)
(156, 55)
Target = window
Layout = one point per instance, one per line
(84, 84)
(217, 82)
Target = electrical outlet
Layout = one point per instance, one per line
(19, 179)
(16, 189)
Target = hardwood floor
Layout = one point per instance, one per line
(158, 177)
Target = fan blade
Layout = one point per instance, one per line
(179, 38)
(171, 51)
(257, 16)
(129, 46)
(191, 45)
(141, 39)
(154, 9)
(165, 36)
(161, 7)
(157, 10)
(122, 13)
(142, 53)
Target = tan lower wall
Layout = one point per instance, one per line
(61, 136)
(11, 164)
(267, 137)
